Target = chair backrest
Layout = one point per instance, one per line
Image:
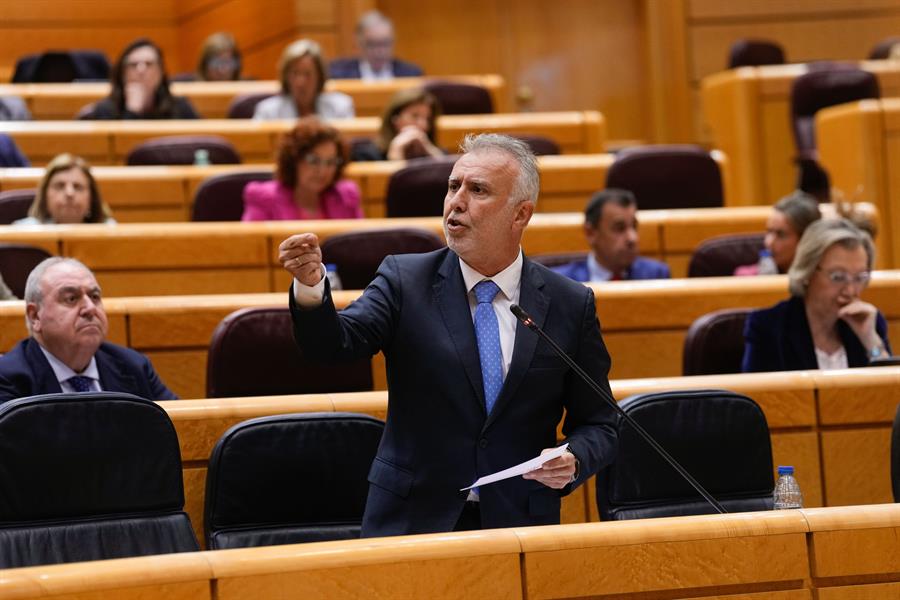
(357, 254)
(752, 53)
(289, 479)
(242, 106)
(714, 343)
(253, 353)
(895, 456)
(61, 67)
(14, 204)
(668, 176)
(419, 188)
(460, 98)
(721, 255)
(87, 477)
(823, 87)
(541, 145)
(16, 262)
(882, 49)
(221, 197)
(558, 259)
(180, 149)
(55, 67)
(719, 437)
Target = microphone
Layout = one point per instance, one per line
(528, 322)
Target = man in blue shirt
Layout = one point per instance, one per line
(611, 229)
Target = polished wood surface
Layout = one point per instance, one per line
(62, 101)
(750, 556)
(109, 142)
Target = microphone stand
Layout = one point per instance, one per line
(528, 322)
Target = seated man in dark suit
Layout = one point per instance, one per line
(66, 351)
(610, 225)
(375, 39)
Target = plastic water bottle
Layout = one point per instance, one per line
(201, 157)
(766, 264)
(787, 492)
(333, 278)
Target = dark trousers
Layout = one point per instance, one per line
(470, 518)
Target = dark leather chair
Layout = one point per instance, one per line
(357, 254)
(460, 98)
(720, 256)
(16, 262)
(882, 49)
(88, 477)
(290, 479)
(719, 437)
(558, 259)
(668, 176)
(827, 86)
(58, 66)
(714, 343)
(419, 188)
(221, 197)
(180, 149)
(253, 353)
(753, 53)
(14, 204)
(242, 106)
(895, 456)
(541, 145)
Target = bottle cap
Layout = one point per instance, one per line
(765, 252)
(330, 267)
(785, 470)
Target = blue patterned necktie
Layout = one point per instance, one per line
(80, 383)
(487, 334)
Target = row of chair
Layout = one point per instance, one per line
(755, 53)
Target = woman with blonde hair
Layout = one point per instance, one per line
(67, 194)
(220, 59)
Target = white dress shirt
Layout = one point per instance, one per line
(596, 271)
(63, 372)
(367, 73)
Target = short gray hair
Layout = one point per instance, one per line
(817, 239)
(34, 294)
(369, 18)
(528, 183)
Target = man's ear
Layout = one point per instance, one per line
(32, 314)
(524, 211)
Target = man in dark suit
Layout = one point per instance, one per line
(66, 351)
(611, 229)
(375, 39)
(472, 391)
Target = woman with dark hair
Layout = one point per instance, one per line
(407, 129)
(785, 226)
(308, 182)
(67, 194)
(140, 88)
(220, 59)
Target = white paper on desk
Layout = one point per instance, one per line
(520, 469)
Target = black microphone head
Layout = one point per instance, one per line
(523, 316)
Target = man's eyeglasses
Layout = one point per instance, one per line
(316, 161)
(842, 278)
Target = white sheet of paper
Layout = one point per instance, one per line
(520, 469)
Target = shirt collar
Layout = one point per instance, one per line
(367, 72)
(507, 280)
(596, 271)
(63, 372)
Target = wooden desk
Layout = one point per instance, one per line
(109, 142)
(748, 113)
(859, 145)
(783, 555)
(62, 101)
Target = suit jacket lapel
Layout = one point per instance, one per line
(800, 337)
(45, 381)
(449, 293)
(536, 303)
(113, 376)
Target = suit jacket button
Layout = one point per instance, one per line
(483, 443)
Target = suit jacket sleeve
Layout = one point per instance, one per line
(760, 345)
(590, 423)
(158, 389)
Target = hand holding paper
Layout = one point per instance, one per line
(520, 469)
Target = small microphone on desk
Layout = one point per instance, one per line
(528, 322)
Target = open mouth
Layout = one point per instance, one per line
(454, 225)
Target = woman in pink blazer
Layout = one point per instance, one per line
(308, 182)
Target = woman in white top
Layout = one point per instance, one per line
(303, 76)
(825, 324)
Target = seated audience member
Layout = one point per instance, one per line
(67, 194)
(220, 59)
(407, 129)
(789, 219)
(302, 71)
(824, 324)
(307, 182)
(12, 108)
(375, 39)
(10, 155)
(67, 351)
(611, 228)
(140, 88)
